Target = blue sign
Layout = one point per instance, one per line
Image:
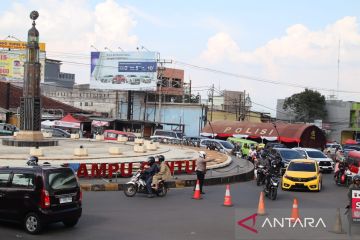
(137, 67)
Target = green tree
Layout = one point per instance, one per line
(307, 105)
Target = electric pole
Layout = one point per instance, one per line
(161, 70)
(212, 102)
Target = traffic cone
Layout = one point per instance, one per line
(227, 199)
(197, 195)
(261, 206)
(338, 225)
(295, 211)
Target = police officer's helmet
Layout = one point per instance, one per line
(151, 160)
(32, 161)
(356, 178)
(161, 158)
(202, 154)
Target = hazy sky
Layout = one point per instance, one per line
(270, 49)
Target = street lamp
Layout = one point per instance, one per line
(121, 49)
(92, 46)
(106, 48)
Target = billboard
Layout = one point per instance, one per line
(123, 70)
(12, 64)
(18, 45)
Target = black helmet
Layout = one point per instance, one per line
(161, 158)
(151, 160)
(356, 178)
(32, 161)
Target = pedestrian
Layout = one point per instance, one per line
(201, 169)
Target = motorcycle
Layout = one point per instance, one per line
(271, 190)
(260, 173)
(138, 185)
(343, 177)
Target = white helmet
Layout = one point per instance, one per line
(202, 154)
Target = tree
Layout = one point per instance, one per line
(307, 105)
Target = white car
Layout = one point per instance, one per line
(220, 145)
(325, 163)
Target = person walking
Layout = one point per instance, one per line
(201, 169)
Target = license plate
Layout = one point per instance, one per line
(65, 200)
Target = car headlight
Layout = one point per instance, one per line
(312, 178)
(286, 176)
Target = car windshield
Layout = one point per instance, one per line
(290, 154)
(301, 167)
(315, 154)
(62, 179)
(227, 145)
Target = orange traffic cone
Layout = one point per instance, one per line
(227, 199)
(261, 206)
(295, 211)
(197, 195)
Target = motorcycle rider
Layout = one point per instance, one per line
(163, 174)
(151, 169)
(274, 169)
(341, 167)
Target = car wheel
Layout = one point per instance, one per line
(32, 223)
(70, 222)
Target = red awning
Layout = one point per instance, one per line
(300, 134)
(68, 122)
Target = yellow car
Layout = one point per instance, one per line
(302, 174)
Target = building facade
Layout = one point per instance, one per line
(341, 123)
(54, 77)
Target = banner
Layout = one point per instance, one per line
(12, 65)
(355, 205)
(124, 70)
(18, 45)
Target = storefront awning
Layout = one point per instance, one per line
(308, 135)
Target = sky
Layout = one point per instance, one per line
(270, 49)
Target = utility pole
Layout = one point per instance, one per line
(161, 70)
(116, 104)
(190, 91)
(212, 102)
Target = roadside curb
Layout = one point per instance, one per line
(242, 177)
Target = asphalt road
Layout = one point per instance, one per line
(111, 215)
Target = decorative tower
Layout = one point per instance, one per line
(30, 105)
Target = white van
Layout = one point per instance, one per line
(160, 134)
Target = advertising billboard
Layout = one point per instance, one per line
(12, 58)
(12, 65)
(123, 70)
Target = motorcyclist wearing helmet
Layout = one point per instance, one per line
(163, 174)
(274, 169)
(354, 186)
(32, 161)
(340, 168)
(201, 169)
(151, 169)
